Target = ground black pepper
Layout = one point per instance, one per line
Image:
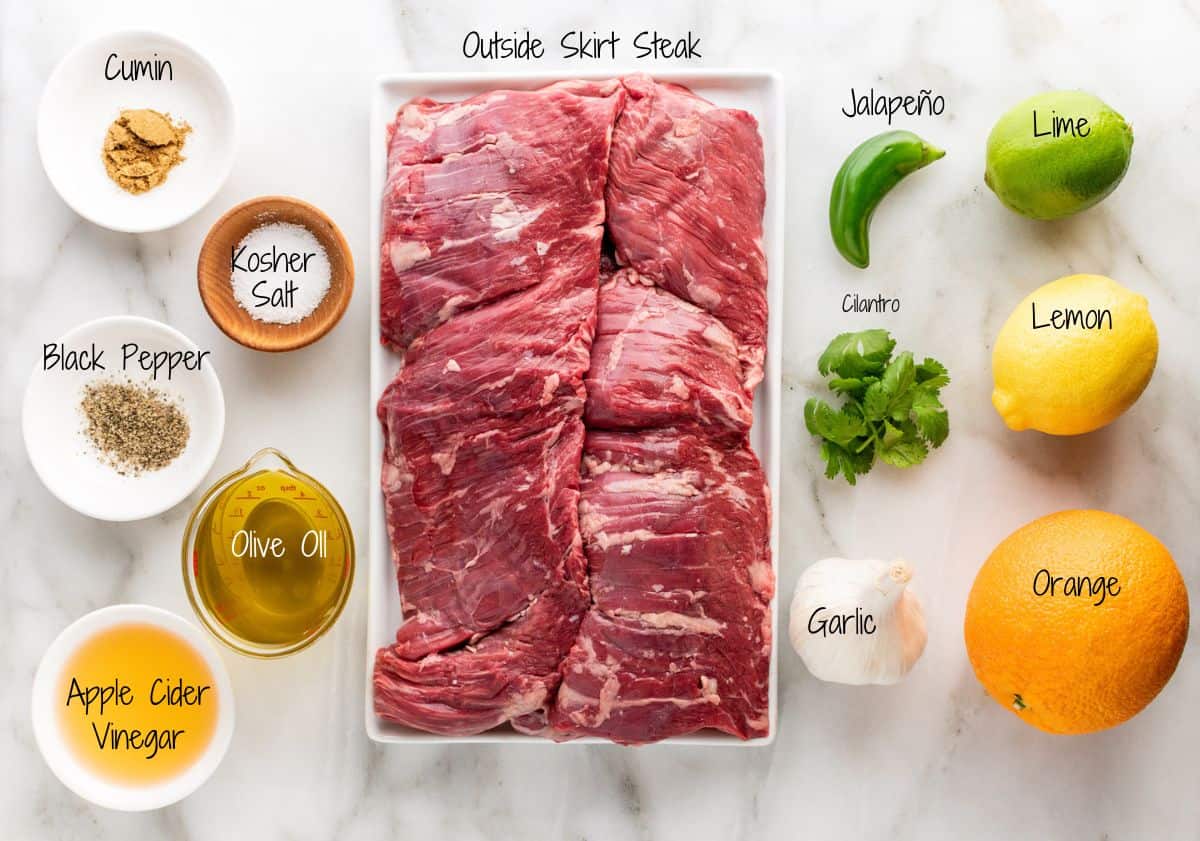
(134, 427)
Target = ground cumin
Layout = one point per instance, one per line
(141, 147)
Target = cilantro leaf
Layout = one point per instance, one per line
(851, 385)
(891, 410)
(892, 435)
(933, 375)
(828, 423)
(904, 453)
(889, 397)
(875, 402)
(846, 461)
(900, 375)
(852, 355)
(930, 416)
(902, 406)
(901, 446)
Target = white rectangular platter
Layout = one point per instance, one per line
(760, 93)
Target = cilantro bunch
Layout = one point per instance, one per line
(891, 411)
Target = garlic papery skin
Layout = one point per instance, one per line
(856, 622)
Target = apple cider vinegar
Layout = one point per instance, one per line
(138, 704)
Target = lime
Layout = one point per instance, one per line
(1057, 153)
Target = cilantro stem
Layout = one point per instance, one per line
(874, 439)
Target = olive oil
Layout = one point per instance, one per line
(138, 704)
(271, 559)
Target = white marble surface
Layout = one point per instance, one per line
(930, 758)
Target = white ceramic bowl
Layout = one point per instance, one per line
(78, 104)
(58, 756)
(67, 463)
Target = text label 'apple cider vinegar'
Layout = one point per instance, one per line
(138, 704)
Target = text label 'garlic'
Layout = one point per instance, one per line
(856, 622)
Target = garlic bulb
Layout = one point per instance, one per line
(855, 622)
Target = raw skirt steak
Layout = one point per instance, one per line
(508, 676)
(679, 637)
(483, 424)
(685, 205)
(481, 461)
(489, 196)
(659, 361)
(579, 528)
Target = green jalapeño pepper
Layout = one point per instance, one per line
(867, 175)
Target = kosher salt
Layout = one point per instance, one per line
(280, 273)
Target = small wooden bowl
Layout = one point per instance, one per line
(213, 272)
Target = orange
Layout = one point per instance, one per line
(1076, 621)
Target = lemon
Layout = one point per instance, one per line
(1066, 166)
(1073, 356)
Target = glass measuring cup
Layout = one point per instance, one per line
(268, 558)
